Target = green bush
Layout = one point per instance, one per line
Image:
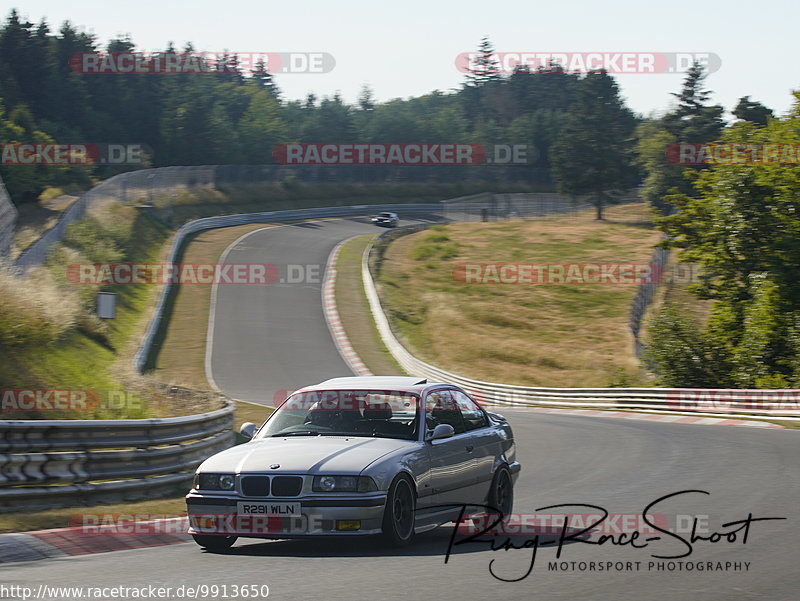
(448, 251)
(423, 252)
(437, 237)
(93, 241)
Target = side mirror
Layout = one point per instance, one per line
(248, 429)
(442, 431)
(497, 417)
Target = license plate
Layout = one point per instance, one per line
(284, 510)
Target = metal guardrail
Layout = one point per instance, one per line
(725, 402)
(56, 463)
(47, 464)
(61, 462)
(208, 223)
(84, 434)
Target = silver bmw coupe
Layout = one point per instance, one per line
(394, 456)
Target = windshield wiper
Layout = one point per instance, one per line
(297, 433)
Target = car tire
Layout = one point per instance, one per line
(214, 542)
(398, 516)
(501, 493)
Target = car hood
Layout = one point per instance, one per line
(304, 454)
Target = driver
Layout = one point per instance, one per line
(320, 416)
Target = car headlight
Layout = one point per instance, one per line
(214, 481)
(343, 484)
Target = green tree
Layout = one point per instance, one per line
(692, 121)
(678, 350)
(261, 129)
(592, 153)
(263, 79)
(393, 122)
(222, 137)
(331, 121)
(24, 183)
(743, 229)
(752, 111)
(652, 142)
(485, 68)
(366, 98)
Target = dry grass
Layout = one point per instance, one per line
(33, 219)
(355, 313)
(52, 339)
(545, 335)
(34, 308)
(181, 359)
(678, 277)
(250, 412)
(61, 518)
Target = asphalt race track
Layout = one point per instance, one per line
(268, 339)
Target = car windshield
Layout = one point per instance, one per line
(373, 413)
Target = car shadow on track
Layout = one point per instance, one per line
(436, 542)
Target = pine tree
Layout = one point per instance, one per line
(485, 68)
(263, 79)
(752, 111)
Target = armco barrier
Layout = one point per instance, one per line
(72, 462)
(68, 462)
(208, 223)
(726, 402)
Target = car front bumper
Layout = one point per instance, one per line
(319, 516)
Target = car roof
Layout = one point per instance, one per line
(404, 383)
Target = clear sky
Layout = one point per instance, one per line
(408, 48)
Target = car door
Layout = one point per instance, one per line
(452, 465)
(484, 441)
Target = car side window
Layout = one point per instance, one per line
(443, 409)
(472, 415)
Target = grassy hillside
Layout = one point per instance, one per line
(51, 338)
(537, 335)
